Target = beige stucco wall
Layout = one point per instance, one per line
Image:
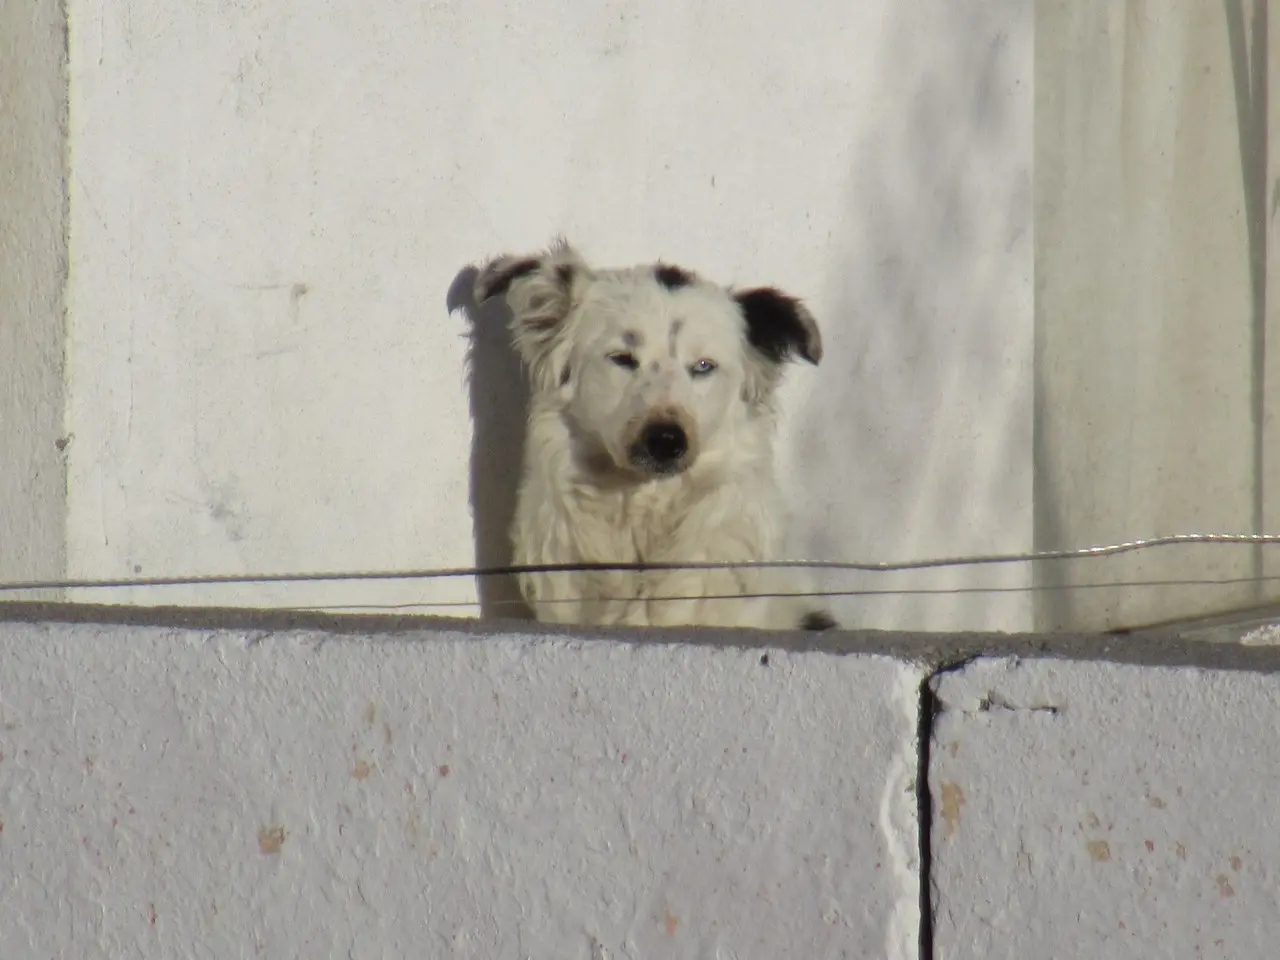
(33, 263)
(1151, 307)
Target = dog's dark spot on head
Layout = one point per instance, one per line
(764, 659)
(500, 281)
(778, 325)
(564, 273)
(672, 277)
(564, 376)
(673, 335)
(818, 620)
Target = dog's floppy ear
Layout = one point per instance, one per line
(779, 327)
(539, 291)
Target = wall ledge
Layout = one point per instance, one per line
(1221, 646)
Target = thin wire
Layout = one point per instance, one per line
(905, 591)
(1082, 553)
(513, 569)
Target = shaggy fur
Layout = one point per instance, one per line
(650, 440)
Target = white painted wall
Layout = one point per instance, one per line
(270, 202)
(234, 793)
(269, 206)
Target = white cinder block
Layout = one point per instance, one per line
(181, 793)
(1102, 810)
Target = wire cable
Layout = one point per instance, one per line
(1082, 553)
(904, 591)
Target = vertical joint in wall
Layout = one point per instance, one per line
(924, 812)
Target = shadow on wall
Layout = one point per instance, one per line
(917, 435)
(499, 397)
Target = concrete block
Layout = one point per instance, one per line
(1104, 810)
(203, 793)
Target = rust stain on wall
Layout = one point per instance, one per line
(952, 799)
(1099, 850)
(271, 839)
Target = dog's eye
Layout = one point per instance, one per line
(624, 360)
(702, 368)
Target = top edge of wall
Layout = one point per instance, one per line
(1249, 643)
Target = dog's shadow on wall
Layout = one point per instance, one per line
(499, 397)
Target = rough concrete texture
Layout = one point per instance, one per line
(33, 99)
(202, 793)
(1104, 810)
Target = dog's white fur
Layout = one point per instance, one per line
(610, 354)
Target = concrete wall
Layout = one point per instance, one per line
(33, 265)
(227, 783)
(170, 791)
(1093, 809)
(270, 203)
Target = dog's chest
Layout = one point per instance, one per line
(630, 525)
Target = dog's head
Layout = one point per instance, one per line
(648, 363)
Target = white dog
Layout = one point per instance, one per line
(650, 440)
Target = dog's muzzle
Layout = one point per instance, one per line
(661, 448)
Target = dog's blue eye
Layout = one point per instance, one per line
(702, 368)
(625, 360)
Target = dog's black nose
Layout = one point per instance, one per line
(665, 442)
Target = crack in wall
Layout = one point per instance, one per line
(929, 709)
(899, 822)
(924, 811)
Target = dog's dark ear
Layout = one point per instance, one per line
(779, 327)
(539, 291)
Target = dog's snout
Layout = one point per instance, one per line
(662, 444)
(666, 443)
